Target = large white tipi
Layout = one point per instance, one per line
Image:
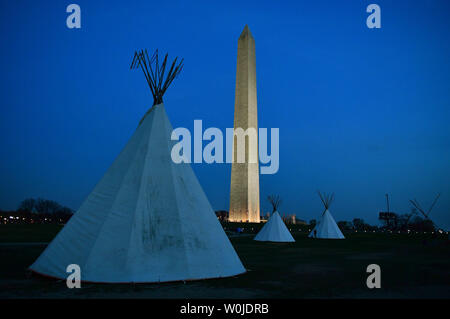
(274, 230)
(148, 219)
(326, 227)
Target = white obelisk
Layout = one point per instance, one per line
(244, 195)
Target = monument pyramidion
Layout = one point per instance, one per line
(147, 219)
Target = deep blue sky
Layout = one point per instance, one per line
(361, 112)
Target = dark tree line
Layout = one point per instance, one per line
(42, 206)
(411, 221)
(37, 211)
(222, 215)
(357, 224)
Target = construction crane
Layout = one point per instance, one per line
(422, 211)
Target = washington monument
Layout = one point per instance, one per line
(244, 195)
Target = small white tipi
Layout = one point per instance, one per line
(274, 230)
(326, 227)
(148, 219)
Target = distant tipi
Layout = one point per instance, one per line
(274, 230)
(326, 227)
(148, 219)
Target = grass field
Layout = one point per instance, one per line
(412, 266)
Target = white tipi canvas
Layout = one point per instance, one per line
(274, 230)
(147, 220)
(327, 228)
